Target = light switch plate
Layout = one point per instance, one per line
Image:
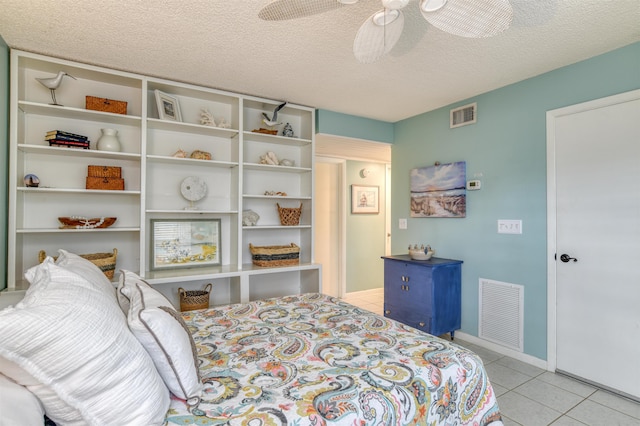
(508, 226)
(402, 223)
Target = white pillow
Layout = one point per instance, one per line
(72, 337)
(85, 269)
(18, 406)
(46, 396)
(164, 334)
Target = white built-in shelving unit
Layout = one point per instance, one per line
(235, 179)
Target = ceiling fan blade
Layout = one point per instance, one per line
(375, 38)
(282, 10)
(469, 18)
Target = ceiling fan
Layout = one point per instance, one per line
(382, 30)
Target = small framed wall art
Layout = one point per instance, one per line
(184, 243)
(168, 107)
(365, 199)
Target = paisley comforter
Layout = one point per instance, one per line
(315, 360)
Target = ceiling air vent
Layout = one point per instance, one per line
(463, 115)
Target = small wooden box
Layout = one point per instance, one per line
(106, 105)
(111, 183)
(105, 171)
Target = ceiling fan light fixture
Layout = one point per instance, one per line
(385, 17)
(432, 5)
(348, 1)
(394, 4)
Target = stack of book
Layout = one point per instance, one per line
(71, 140)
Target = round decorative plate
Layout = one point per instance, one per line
(193, 188)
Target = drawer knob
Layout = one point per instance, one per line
(387, 312)
(421, 324)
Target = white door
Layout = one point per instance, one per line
(328, 205)
(597, 240)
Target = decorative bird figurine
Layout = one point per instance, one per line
(52, 83)
(273, 120)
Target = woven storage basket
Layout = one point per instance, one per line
(106, 105)
(275, 255)
(104, 171)
(289, 216)
(105, 261)
(190, 300)
(110, 183)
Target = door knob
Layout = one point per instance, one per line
(566, 258)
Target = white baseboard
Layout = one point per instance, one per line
(529, 359)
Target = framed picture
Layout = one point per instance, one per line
(439, 191)
(184, 243)
(168, 108)
(364, 199)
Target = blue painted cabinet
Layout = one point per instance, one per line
(424, 294)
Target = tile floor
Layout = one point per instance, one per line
(530, 396)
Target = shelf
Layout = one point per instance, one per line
(182, 211)
(275, 139)
(191, 161)
(275, 197)
(192, 274)
(252, 269)
(58, 230)
(45, 190)
(274, 168)
(78, 113)
(177, 126)
(264, 227)
(76, 152)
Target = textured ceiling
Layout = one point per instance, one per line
(309, 61)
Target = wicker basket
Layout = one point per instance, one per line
(190, 300)
(106, 105)
(275, 255)
(289, 216)
(104, 171)
(105, 261)
(113, 184)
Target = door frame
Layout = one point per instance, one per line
(342, 222)
(552, 115)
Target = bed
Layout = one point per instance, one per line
(82, 352)
(313, 360)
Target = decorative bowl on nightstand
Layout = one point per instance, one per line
(420, 254)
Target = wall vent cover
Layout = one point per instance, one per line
(463, 115)
(501, 313)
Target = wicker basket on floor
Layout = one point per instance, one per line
(190, 300)
(289, 216)
(105, 261)
(275, 255)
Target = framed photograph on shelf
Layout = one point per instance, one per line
(168, 108)
(184, 243)
(364, 199)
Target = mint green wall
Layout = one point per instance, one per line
(333, 123)
(365, 232)
(508, 147)
(4, 156)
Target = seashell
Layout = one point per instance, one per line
(180, 154)
(201, 155)
(31, 181)
(269, 158)
(206, 118)
(249, 218)
(287, 162)
(223, 124)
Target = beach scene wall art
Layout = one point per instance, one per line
(439, 190)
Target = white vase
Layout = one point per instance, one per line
(108, 141)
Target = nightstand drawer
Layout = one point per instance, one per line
(406, 284)
(410, 317)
